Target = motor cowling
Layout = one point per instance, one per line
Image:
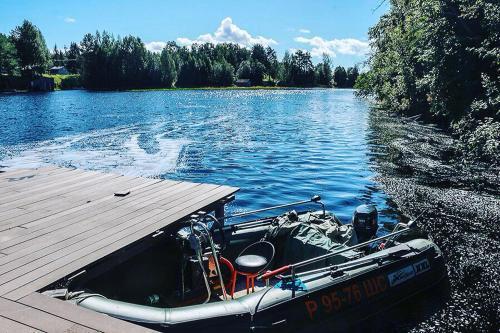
(365, 222)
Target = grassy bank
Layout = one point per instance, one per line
(64, 82)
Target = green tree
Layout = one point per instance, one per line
(57, 57)
(324, 75)
(34, 57)
(259, 54)
(245, 70)
(267, 57)
(351, 76)
(73, 58)
(252, 70)
(8, 56)
(301, 69)
(340, 77)
(363, 82)
(189, 72)
(168, 68)
(440, 59)
(152, 77)
(223, 74)
(272, 63)
(133, 59)
(285, 70)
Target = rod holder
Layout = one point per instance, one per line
(315, 198)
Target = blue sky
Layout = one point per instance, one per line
(336, 27)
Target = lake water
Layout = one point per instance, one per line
(276, 145)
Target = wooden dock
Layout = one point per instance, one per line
(55, 221)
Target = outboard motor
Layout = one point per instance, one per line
(365, 222)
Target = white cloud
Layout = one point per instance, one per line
(294, 50)
(348, 46)
(305, 31)
(155, 46)
(228, 32)
(69, 20)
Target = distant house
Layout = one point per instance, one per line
(243, 82)
(59, 70)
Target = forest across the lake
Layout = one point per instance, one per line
(106, 62)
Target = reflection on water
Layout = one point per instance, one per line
(277, 146)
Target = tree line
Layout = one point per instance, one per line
(108, 62)
(441, 60)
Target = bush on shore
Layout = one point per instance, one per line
(13, 82)
(441, 60)
(480, 139)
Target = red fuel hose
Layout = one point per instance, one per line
(270, 274)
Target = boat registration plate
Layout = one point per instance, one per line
(408, 272)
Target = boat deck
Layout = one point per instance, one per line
(56, 221)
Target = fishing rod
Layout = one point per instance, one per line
(292, 267)
(391, 240)
(314, 199)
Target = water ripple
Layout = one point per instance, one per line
(278, 146)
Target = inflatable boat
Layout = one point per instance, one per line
(297, 271)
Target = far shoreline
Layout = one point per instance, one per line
(15, 92)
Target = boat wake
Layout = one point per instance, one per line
(132, 151)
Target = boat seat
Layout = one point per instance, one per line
(250, 263)
(253, 260)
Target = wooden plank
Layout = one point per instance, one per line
(101, 200)
(12, 213)
(33, 178)
(14, 172)
(50, 197)
(77, 197)
(44, 248)
(36, 215)
(49, 247)
(100, 203)
(21, 269)
(40, 193)
(54, 188)
(8, 325)
(109, 212)
(46, 182)
(36, 210)
(10, 234)
(81, 315)
(39, 179)
(85, 186)
(72, 215)
(26, 171)
(38, 319)
(34, 280)
(79, 237)
(108, 176)
(6, 191)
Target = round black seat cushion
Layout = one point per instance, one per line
(250, 263)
